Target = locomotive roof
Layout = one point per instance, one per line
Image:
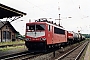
(46, 23)
(55, 25)
(8, 12)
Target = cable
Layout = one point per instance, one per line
(37, 7)
(79, 9)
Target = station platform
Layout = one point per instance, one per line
(87, 55)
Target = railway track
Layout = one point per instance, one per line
(12, 55)
(20, 56)
(44, 56)
(74, 54)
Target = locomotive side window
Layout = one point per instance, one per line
(59, 31)
(48, 27)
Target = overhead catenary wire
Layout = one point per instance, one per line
(79, 9)
(38, 7)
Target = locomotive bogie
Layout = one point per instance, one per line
(35, 46)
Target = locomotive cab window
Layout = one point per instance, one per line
(31, 27)
(36, 27)
(40, 27)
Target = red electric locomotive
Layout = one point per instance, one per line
(43, 34)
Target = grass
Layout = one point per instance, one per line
(10, 48)
(11, 43)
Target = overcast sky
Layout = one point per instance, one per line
(79, 10)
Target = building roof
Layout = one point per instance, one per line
(3, 23)
(8, 12)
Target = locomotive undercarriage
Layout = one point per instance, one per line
(43, 47)
(36, 46)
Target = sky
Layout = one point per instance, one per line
(79, 10)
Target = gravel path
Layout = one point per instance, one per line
(87, 55)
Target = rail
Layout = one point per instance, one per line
(74, 53)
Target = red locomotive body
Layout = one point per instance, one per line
(42, 35)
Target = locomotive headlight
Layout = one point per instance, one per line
(27, 39)
(44, 39)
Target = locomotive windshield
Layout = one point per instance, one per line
(36, 27)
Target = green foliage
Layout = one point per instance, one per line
(19, 36)
(86, 35)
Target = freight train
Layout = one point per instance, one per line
(43, 34)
